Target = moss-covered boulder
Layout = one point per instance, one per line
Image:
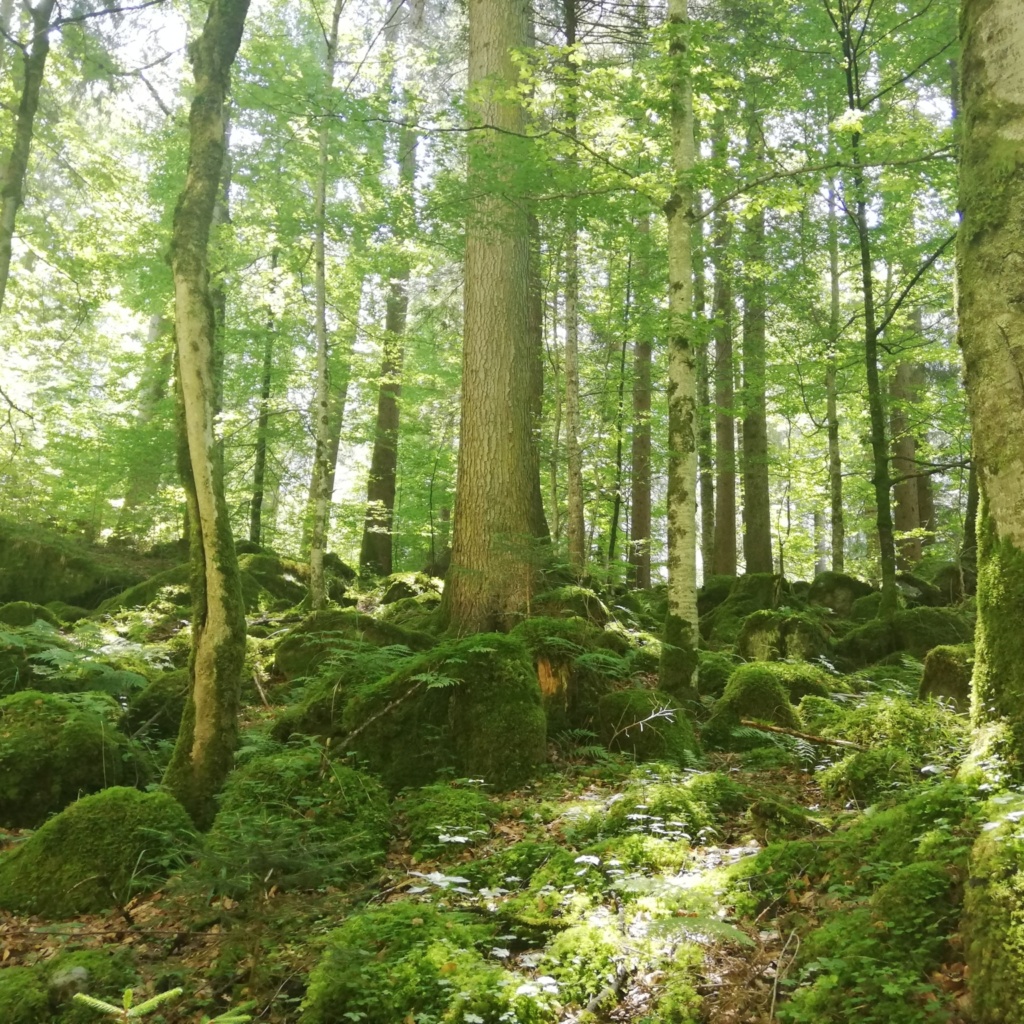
(993, 922)
(748, 594)
(916, 591)
(171, 587)
(155, 711)
(947, 675)
(23, 996)
(648, 724)
(755, 691)
(445, 817)
(867, 607)
(780, 636)
(712, 593)
(97, 853)
(286, 580)
(400, 586)
(295, 819)
(837, 591)
(24, 613)
(316, 641)
(472, 705)
(913, 630)
(949, 579)
(53, 748)
(102, 973)
(416, 613)
(67, 614)
(579, 602)
(713, 671)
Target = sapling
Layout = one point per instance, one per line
(128, 1012)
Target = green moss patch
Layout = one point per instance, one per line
(648, 724)
(578, 602)
(913, 630)
(24, 613)
(156, 710)
(837, 592)
(23, 996)
(779, 636)
(445, 817)
(947, 675)
(756, 691)
(866, 775)
(748, 594)
(98, 852)
(104, 974)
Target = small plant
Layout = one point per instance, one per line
(128, 1012)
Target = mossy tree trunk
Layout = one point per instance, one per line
(679, 660)
(204, 751)
(991, 309)
(492, 571)
(12, 183)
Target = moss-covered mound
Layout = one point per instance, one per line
(286, 580)
(647, 724)
(156, 710)
(947, 675)
(713, 671)
(96, 853)
(572, 601)
(573, 671)
(313, 643)
(472, 705)
(994, 915)
(24, 613)
(913, 630)
(866, 775)
(295, 819)
(837, 591)
(53, 748)
(445, 816)
(400, 586)
(68, 613)
(101, 973)
(756, 691)
(171, 587)
(780, 636)
(748, 594)
(416, 613)
(23, 996)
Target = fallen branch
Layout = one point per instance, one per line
(801, 735)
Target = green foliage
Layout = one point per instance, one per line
(445, 817)
(295, 819)
(754, 691)
(713, 671)
(748, 594)
(25, 613)
(68, 974)
(781, 635)
(866, 775)
(23, 996)
(583, 959)
(95, 854)
(947, 675)
(647, 724)
(678, 1001)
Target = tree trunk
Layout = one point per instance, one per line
(992, 337)
(620, 412)
(204, 751)
(757, 515)
(12, 184)
(835, 462)
(259, 471)
(907, 512)
(640, 456)
(491, 576)
(705, 446)
(679, 658)
(323, 466)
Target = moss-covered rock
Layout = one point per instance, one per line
(949, 580)
(993, 921)
(104, 974)
(54, 748)
(712, 593)
(312, 644)
(913, 630)
(755, 691)
(867, 607)
(285, 579)
(171, 587)
(295, 819)
(713, 671)
(780, 636)
(418, 613)
(947, 675)
(98, 852)
(156, 710)
(572, 601)
(866, 775)
(837, 591)
(23, 996)
(445, 817)
(472, 705)
(67, 614)
(647, 724)
(400, 586)
(751, 593)
(24, 613)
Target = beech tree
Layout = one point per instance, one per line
(206, 742)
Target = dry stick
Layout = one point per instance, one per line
(380, 714)
(259, 686)
(801, 735)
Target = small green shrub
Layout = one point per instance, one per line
(583, 959)
(445, 817)
(866, 775)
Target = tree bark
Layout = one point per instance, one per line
(835, 462)
(907, 511)
(492, 572)
(640, 454)
(679, 658)
(259, 471)
(992, 336)
(705, 445)
(204, 751)
(12, 184)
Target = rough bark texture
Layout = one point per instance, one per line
(991, 308)
(491, 576)
(679, 659)
(835, 461)
(204, 751)
(12, 184)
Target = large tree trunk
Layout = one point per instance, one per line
(640, 456)
(679, 658)
(491, 576)
(757, 515)
(206, 741)
(12, 184)
(835, 462)
(992, 336)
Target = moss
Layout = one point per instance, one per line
(866, 608)
(583, 959)
(96, 853)
(772, 820)
(755, 691)
(53, 748)
(283, 578)
(993, 922)
(713, 671)
(295, 819)
(678, 1000)
(572, 601)
(23, 996)
(104, 974)
(401, 586)
(912, 630)
(309, 645)
(419, 613)
(748, 594)
(156, 710)
(472, 705)
(713, 592)
(172, 586)
(866, 775)
(445, 817)
(647, 724)
(778, 636)
(837, 591)
(947, 675)
(68, 613)
(678, 669)
(24, 613)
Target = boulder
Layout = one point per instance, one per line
(649, 725)
(751, 593)
(780, 636)
(947, 675)
(837, 591)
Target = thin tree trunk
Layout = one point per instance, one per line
(907, 513)
(640, 454)
(757, 515)
(12, 184)
(705, 449)
(679, 658)
(835, 463)
(620, 412)
(493, 567)
(322, 487)
(259, 472)
(203, 754)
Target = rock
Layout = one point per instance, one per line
(837, 591)
(572, 601)
(779, 636)
(751, 593)
(172, 587)
(756, 691)
(157, 709)
(649, 725)
(918, 592)
(284, 579)
(913, 630)
(25, 613)
(402, 585)
(947, 675)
